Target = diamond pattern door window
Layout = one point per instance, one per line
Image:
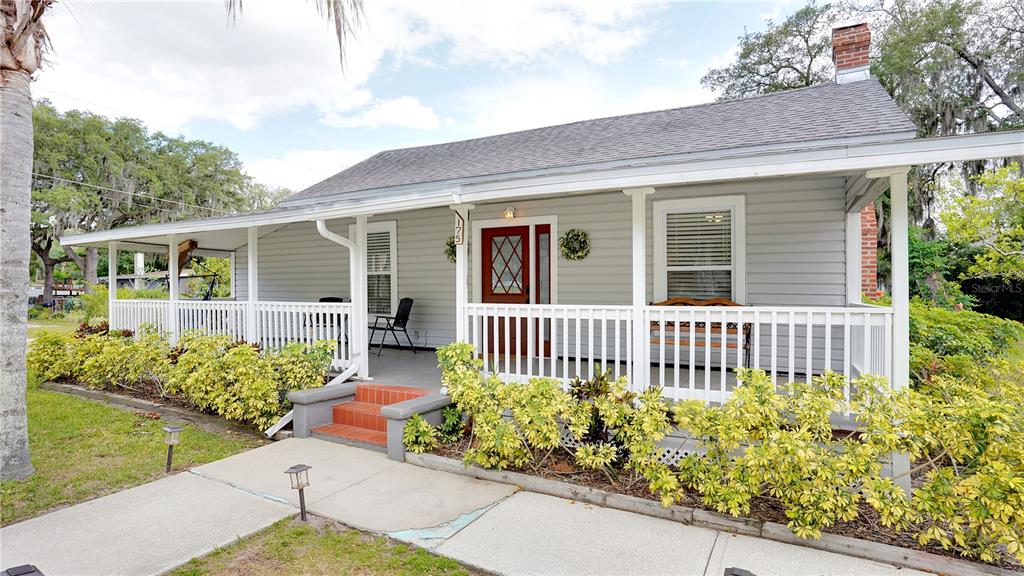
(507, 265)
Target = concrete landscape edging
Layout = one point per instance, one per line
(846, 545)
(164, 410)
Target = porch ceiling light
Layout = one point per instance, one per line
(299, 477)
(510, 213)
(172, 435)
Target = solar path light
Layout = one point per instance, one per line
(299, 476)
(172, 435)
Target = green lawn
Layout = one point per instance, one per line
(1016, 353)
(65, 324)
(83, 449)
(319, 547)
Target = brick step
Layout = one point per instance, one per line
(383, 394)
(360, 415)
(352, 434)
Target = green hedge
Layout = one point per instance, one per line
(956, 340)
(963, 433)
(233, 379)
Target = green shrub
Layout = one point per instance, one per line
(599, 417)
(299, 367)
(952, 332)
(37, 312)
(419, 436)
(95, 303)
(233, 379)
(963, 431)
(49, 356)
(119, 360)
(452, 426)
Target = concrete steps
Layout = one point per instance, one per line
(359, 422)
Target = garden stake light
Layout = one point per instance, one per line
(299, 476)
(171, 437)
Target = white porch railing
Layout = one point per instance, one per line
(133, 314)
(527, 340)
(215, 317)
(691, 352)
(694, 350)
(274, 323)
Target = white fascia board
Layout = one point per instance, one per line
(457, 183)
(843, 158)
(837, 159)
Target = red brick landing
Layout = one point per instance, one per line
(359, 420)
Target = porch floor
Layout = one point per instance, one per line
(397, 367)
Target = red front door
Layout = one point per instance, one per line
(505, 277)
(506, 265)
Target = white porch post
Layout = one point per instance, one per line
(640, 332)
(853, 295)
(252, 285)
(899, 250)
(172, 288)
(900, 280)
(140, 270)
(461, 270)
(112, 318)
(360, 322)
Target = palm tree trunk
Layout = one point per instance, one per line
(15, 211)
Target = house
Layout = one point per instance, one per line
(756, 202)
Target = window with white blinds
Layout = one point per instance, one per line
(381, 268)
(696, 248)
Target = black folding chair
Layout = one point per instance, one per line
(394, 324)
(317, 321)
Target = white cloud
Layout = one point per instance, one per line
(172, 63)
(405, 111)
(298, 169)
(537, 101)
(681, 62)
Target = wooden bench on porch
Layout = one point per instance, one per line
(673, 331)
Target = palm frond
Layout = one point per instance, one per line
(347, 16)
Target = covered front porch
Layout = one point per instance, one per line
(794, 283)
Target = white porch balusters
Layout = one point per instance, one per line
(253, 285)
(461, 272)
(641, 346)
(112, 319)
(172, 288)
(360, 322)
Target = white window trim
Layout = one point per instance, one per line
(532, 222)
(734, 203)
(391, 227)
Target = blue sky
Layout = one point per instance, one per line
(269, 86)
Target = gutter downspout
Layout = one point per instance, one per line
(357, 357)
(357, 334)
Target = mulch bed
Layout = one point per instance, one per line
(867, 526)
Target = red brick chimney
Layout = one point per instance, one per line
(869, 251)
(850, 46)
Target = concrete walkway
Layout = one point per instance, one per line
(149, 529)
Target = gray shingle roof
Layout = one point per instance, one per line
(828, 111)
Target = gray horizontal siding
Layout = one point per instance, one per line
(796, 244)
(795, 251)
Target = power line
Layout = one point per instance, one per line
(139, 194)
